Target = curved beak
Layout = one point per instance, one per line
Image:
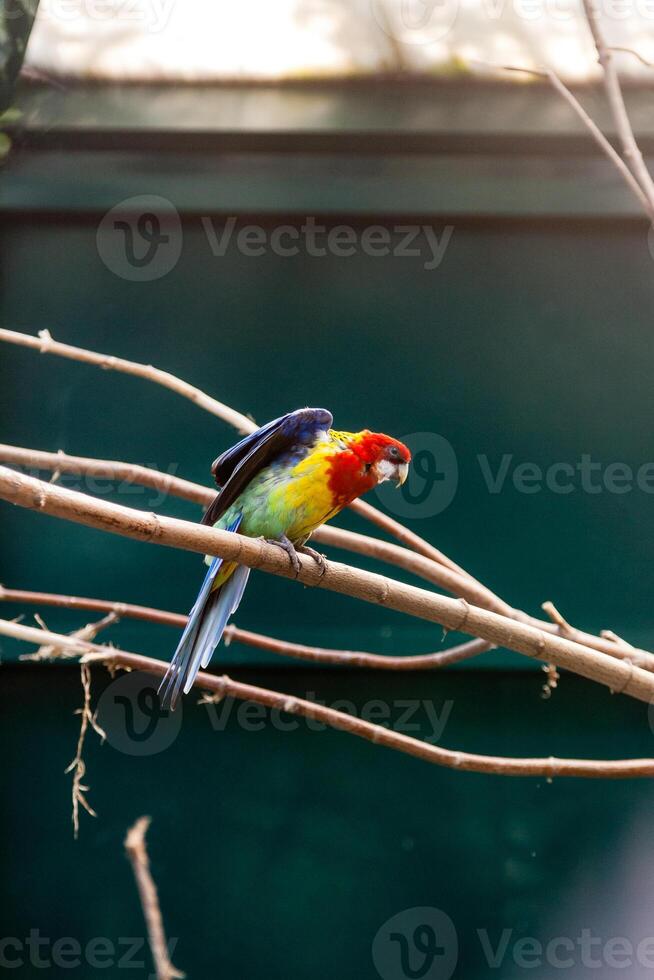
(402, 473)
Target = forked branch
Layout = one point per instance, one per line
(224, 686)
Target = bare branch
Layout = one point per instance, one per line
(556, 617)
(138, 856)
(46, 345)
(465, 761)
(407, 537)
(232, 634)
(636, 54)
(630, 147)
(454, 614)
(108, 469)
(597, 134)
(88, 632)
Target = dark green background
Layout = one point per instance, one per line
(282, 855)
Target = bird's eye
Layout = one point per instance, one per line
(393, 453)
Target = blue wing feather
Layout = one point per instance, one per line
(202, 629)
(238, 465)
(233, 470)
(300, 426)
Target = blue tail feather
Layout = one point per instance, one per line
(205, 627)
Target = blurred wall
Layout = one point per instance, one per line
(525, 342)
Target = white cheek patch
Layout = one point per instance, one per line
(385, 470)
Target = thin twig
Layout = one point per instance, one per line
(107, 469)
(88, 632)
(232, 634)
(610, 635)
(548, 767)
(138, 856)
(613, 88)
(636, 54)
(78, 766)
(556, 617)
(597, 134)
(46, 345)
(454, 614)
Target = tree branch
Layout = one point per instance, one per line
(138, 856)
(454, 614)
(597, 134)
(226, 687)
(630, 147)
(46, 345)
(107, 469)
(232, 634)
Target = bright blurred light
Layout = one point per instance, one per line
(204, 40)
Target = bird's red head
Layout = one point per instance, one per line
(384, 458)
(363, 460)
(368, 459)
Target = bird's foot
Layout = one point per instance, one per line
(319, 559)
(290, 550)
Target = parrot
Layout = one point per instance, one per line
(280, 483)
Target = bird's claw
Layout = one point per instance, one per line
(290, 550)
(319, 559)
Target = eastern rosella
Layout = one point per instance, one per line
(280, 483)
